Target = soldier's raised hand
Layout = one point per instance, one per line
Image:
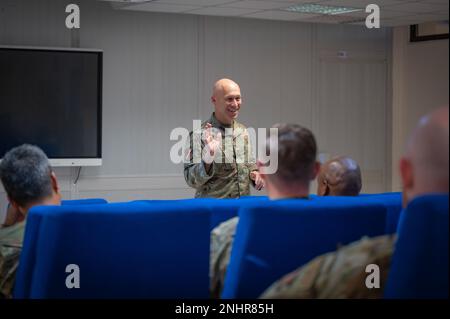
(212, 144)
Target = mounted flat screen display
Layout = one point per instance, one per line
(52, 98)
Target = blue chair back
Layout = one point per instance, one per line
(221, 209)
(393, 204)
(419, 267)
(381, 194)
(124, 250)
(277, 237)
(84, 201)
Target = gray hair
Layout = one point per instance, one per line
(25, 173)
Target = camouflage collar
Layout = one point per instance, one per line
(216, 123)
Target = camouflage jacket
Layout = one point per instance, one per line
(11, 239)
(229, 173)
(340, 274)
(222, 238)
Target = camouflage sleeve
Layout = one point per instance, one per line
(252, 157)
(340, 274)
(11, 240)
(9, 262)
(195, 172)
(221, 243)
(299, 284)
(251, 164)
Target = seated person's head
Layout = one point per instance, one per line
(339, 176)
(297, 165)
(424, 167)
(28, 179)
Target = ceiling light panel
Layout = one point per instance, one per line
(314, 8)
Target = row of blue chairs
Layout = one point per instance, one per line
(160, 248)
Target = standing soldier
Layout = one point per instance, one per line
(226, 168)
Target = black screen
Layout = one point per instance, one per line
(52, 99)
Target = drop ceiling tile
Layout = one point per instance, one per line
(418, 7)
(200, 3)
(393, 12)
(436, 15)
(160, 7)
(383, 14)
(216, 11)
(292, 2)
(261, 5)
(397, 22)
(359, 3)
(415, 19)
(427, 18)
(336, 19)
(445, 2)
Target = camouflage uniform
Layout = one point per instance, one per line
(11, 239)
(340, 274)
(222, 238)
(229, 178)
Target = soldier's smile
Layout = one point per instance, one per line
(232, 112)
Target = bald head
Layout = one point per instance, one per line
(340, 176)
(424, 168)
(226, 97)
(223, 85)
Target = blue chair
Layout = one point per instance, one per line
(391, 201)
(393, 204)
(87, 201)
(221, 209)
(382, 194)
(274, 239)
(123, 250)
(419, 267)
(253, 197)
(84, 201)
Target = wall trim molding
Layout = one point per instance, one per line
(131, 182)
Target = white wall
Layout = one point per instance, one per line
(420, 84)
(159, 70)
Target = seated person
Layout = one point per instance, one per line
(297, 167)
(28, 180)
(339, 176)
(341, 274)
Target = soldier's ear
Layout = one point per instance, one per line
(323, 189)
(54, 181)
(316, 170)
